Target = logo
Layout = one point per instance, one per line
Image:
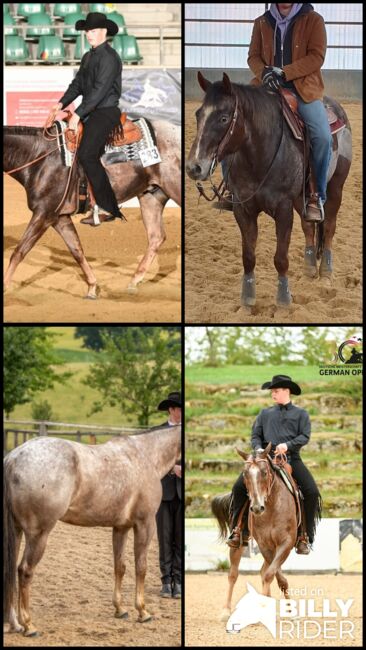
(300, 619)
(349, 354)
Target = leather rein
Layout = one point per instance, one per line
(219, 191)
(50, 137)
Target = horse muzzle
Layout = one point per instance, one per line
(257, 509)
(199, 170)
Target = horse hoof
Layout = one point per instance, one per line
(248, 302)
(144, 619)
(132, 289)
(121, 615)
(31, 634)
(310, 271)
(225, 615)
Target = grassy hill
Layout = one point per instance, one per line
(221, 406)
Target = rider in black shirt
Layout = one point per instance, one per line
(288, 428)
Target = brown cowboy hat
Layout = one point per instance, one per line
(95, 20)
(173, 400)
(283, 381)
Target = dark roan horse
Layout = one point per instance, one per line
(116, 485)
(266, 173)
(45, 184)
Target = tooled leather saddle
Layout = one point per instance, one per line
(293, 118)
(126, 132)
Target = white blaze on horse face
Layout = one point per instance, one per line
(255, 475)
(206, 112)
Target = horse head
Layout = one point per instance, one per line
(220, 127)
(258, 478)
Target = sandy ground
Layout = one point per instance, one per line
(213, 258)
(204, 600)
(48, 285)
(71, 595)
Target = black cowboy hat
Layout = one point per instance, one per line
(95, 20)
(283, 381)
(173, 400)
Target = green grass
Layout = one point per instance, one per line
(250, 374)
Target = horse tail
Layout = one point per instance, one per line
(220, 507)
(320, 241)
(9, 550)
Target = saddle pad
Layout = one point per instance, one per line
(283, 474)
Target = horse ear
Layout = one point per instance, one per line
(267, 450)
(204, 83)
(242, 454)
(227, 83)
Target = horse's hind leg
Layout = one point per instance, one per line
(34, 231)
(65, 227)
(235, 556)
(35, 545)
(143, 532)
(119, 543)
(14, 625)
(152, 206)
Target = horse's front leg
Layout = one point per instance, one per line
(235, 556)
(119, 543)
(65, 227)
(284, 219)
(152, 206)
(143, 532)
(274, 567)
(37, 226)
(248, 224)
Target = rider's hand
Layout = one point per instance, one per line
(282, 448)
(52, 114)
(73, 122)
(272, 77)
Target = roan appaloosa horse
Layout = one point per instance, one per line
(45, 184)
(274, 523)
(116, 484)
(244, 126)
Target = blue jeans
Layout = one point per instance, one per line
(315, 117)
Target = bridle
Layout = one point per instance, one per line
(270, 476)
(50, 137)
(219, 191)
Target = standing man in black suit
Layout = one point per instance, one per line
(169, 515)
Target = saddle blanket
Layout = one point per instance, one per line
(145, 150)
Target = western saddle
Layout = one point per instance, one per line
(293, 119)
(126, 132)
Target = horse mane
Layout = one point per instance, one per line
(260, 107)
(22, 130)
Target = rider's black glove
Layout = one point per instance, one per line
(272, 78)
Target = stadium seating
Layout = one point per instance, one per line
(39, 25)
(79, 51)
(71, 19)
(5, 9)
(66, 8)
(119, 20)
(16, 50)
(51, 49)
(27, 9)
(127, 48)
(9, 23)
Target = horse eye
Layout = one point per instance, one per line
(224, 119)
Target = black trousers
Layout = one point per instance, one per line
(96, 130)
(312, 498)
(169, 526)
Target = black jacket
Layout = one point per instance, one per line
(98, 80)
(277, 424)
(171, 484)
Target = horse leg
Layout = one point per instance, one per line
(143, 532)
(284, 220)
(37, 226)
(282, 583)
(14, 625)
(35, 545)
(65, 227)
(248, 224)
(119, 542)
(279, 557)
(310, 266)
(152, 206)
(235, 556)
(331, 207)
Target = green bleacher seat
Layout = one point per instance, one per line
(39, 25)
(5, 9)
(50, 49)
(71, 20)
(119, 20)
(64, 8)
(127, 48)
(8, 25)
(27, 9)
(101, 7)
(16, 50)
(79, 52)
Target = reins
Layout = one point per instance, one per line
(50, 137)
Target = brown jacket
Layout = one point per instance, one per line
(309, 44)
